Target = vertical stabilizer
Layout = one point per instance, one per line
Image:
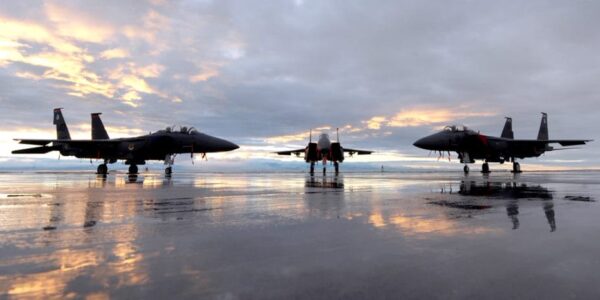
(507, 132)
(543, 134)
(98, 130)
(62, 132)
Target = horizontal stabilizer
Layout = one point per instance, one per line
(572, 142)
(356, 151)
(541, 143)
(35, 150)
(34, 142)
(290, 152)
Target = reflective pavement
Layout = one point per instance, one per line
(229, 236)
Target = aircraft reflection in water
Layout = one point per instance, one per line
(324, 195)
(512, 191)
(336, 182)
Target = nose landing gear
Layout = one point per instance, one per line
(169, 161)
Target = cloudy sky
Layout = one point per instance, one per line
(262, 73)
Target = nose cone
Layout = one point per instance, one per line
(427, 143)
(224, 145)
(229, 146)
(207, 143)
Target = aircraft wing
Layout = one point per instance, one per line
(43, 142)
(290, 152)
(356, 151)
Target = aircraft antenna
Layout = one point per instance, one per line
(310, 136)
(337, 133)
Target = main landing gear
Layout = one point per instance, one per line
(466, 169)
(168, 171)
(312, 168)
(516, 168)
(336, 165)
(133, 169)
(102, 169)
(485, 168)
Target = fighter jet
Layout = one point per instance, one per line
(324, 150)
(161, 145)
(471, 145)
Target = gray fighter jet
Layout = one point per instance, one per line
(161, 145)
(324, 150)
(471, 145)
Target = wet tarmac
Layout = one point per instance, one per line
(230, 236)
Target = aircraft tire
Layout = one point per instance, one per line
(133, 169)
(466, 169)
(516, 167)
(102, 169)
(168, 171)
(485, 168)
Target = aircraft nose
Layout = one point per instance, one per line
(427, 143)
(228, 146)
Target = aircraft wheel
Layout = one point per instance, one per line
(466, 169)
(485, 168)
(102, 169)
(168, 171)
(133, 169)
(324, 171)
(516, 168)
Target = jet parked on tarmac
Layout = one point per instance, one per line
(324, 150)
(160, 145)
(471, 145)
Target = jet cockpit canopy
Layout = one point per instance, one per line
(182, 129)
(324, 136)
(456, 128)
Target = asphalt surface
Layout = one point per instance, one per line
(281, 236)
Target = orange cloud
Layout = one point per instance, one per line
(114, 53)
(76, 24)
(421, 116)
(427, 116)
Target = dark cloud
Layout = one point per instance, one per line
(249, 70)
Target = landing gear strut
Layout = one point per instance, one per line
(133, 169)
(485, 168)
(336, 165)
(102, 169)
(312, 168)
(466, 169)
(516, 168)
(169, 161)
